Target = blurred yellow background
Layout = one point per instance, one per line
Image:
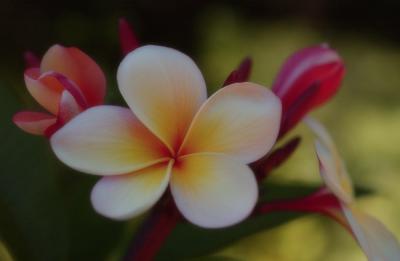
(363, 118)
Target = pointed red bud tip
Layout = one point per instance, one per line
(31, 59)
(318, 67)
(241, 73)
(127, 37)
(273, 160)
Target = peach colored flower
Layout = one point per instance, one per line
(377, 242)
(67, 82)
(173, 135)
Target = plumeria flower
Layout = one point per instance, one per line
(66, 83)
(173, 135)
(374, 238)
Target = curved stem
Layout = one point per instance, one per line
(322, 202)
(154, 231)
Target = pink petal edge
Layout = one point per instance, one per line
(34, 122)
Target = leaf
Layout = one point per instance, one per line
(45, 207)
(188, 241)
(26, 184)
(91, 236)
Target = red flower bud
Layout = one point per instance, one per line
(127, 37)
(308, 78)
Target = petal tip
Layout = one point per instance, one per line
(35, 123)
(211, 200)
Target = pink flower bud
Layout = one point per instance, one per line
(308, 78)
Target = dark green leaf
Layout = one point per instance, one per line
(32, 221)
(45, 207)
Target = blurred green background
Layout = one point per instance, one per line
(45, 212)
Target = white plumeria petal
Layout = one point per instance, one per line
(332, 168)
(377, 242)
(124, 196)
(164, 88)
(241, 120)
(213, 190)
(107, 140)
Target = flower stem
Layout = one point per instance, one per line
(154, 231)
(321, 201)
(317, 201)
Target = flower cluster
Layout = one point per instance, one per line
(210, 154)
